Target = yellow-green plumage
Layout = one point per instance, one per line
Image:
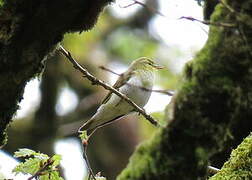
(139, 74)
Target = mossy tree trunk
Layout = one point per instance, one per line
(239, 166)
(212, 110)
(29, 30)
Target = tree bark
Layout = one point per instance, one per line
(212, 110)
(29, 30)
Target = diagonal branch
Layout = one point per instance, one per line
(228, 25)
(96, 81)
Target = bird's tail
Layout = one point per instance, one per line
(93, 124)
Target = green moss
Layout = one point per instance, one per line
(239, 166)
(146, 161)
(188, 70)
(212, 111)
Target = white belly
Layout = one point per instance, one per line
(134, 91)
(116, 106)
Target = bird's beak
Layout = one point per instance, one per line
(157, 66)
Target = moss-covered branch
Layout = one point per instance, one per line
(29, 30)
(239, 166)
(212, 107)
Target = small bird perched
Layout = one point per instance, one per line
(140, 75)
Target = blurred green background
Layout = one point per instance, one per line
(49, 116)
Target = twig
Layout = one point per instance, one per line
(109, 70)
(187, 17)
(228, 25)
(166, 92)
(153, 10)
(43, 168)
(91, 173)
(96, 81)
(212, 170)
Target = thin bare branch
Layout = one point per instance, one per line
(153, 10)
(166, 92)
(109, 70)
(128, 5)
(96, 81)
(91, 173)
(228, 25)
(212, 170)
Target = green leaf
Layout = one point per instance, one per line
(25, 152)
(83, 135)
(30, 166)
(41, 156)
(43, 165)
(56, 158)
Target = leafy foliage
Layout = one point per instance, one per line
(37, 164)
(24, 152)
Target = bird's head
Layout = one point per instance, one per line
(145, 63)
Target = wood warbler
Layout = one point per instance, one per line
(139, 75)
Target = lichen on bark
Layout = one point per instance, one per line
(212, 109)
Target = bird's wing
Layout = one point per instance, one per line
(123, 79)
